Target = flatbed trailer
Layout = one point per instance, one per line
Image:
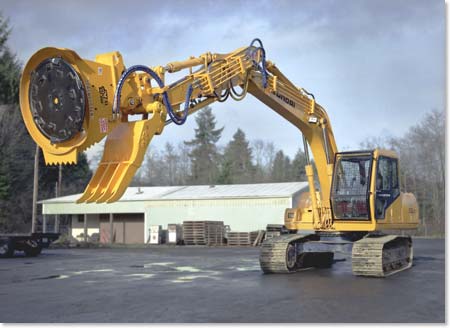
(31, 244)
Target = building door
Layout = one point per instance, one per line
(128, 228)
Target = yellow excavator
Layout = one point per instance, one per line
(69, 103)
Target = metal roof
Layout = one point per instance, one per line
(259, 190)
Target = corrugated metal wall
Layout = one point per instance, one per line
(240, 214)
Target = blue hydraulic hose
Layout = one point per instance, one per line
(177, 120)
(263, 60)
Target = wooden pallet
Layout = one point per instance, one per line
(209, 233)
(236, 238)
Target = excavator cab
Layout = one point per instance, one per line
(359, 175)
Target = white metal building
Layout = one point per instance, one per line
(244, 207)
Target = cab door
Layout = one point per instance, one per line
(350, 186)
(387, 187)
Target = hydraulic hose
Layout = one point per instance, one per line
(263, 60)
(174, 117)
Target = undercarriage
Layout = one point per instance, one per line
(374, 255)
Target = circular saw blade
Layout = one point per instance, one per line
(57, 99)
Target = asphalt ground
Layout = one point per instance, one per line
(214, 285)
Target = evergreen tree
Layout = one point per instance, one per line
(9, 68)
(238, 159)
(225, 175)
(171, 160)
(152, 170)
(16, 170)
(74, 178)
(298, 166)
(17, 151)
(203, 149)
(281, 168)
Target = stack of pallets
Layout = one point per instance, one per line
(242, 238)
(209, 233)
(238, 238)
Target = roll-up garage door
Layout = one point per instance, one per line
(128, 228)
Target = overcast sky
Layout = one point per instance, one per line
(376, 66)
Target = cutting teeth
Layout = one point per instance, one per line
(123, 154)
(61, 162)
(65, 159)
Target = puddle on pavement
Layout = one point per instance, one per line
(250, 268)
(424, 258)
(147, 265)
(92, 271)
(248, 260)
(184, 279)
(189, 273)
(187, 269)
(63, 276)
(55, 276)
(139, 276)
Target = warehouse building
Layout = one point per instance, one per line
(245, 207)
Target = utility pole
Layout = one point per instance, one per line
(85, 228)
(59, 179)
(35, 189)
(58, 193)
(111, 228)
(55, 228)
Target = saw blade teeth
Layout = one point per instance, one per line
(61, 162)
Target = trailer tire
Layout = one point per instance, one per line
(33, 249)
(6, 247)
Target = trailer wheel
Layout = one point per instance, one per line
(6, 247)
(32, 248)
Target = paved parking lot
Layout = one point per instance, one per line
(200, 284)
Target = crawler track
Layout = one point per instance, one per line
(284, 254)
(381, 256)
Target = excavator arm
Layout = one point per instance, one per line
(69, 103)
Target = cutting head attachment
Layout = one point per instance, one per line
(66, 103)
(57, 100)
